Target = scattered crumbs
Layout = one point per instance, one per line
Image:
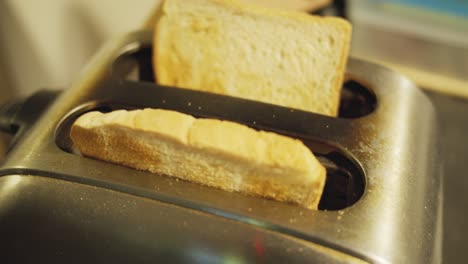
(292, 220)
(370, 190)
(254, 122)
(274, 116)
(365, 148)
(291, 110)
(81, 198)
(199, 108)
(327, 126)
(250, 209)
(301, 249)
(301, 213)
(189, 103)
(338, 230)
(170, 183)
(177, 179)
(163, 101)
(340, 212)
(425, 207)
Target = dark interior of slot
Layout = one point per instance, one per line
(356, 100)
(345, 180)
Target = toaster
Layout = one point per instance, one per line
(381, 202)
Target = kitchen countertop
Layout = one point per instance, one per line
(453, 119)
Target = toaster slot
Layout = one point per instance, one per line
(357, 99)
(134, 65)
(345, 182)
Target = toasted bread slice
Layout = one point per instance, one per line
(285, 58)
(216, 153)
(300, 5)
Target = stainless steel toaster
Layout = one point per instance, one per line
(381, 204)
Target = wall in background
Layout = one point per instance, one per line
(46, 43)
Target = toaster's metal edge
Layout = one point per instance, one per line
(396, 221)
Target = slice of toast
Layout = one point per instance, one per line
(211, 152)
(281, 57)
(300, 5)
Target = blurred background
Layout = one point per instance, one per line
(45, 44)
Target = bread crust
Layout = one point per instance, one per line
(215, 153)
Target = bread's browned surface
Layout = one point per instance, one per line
(281, 57)
(299, 5)
(216, 153)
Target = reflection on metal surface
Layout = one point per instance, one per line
(202, 255)
(4, 142)
(86, 224)
(9, 185)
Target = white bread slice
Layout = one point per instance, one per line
(300, 5)
(281, 57)
(216, 153)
